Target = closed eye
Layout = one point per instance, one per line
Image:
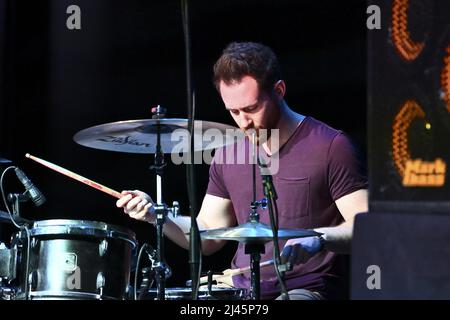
(250, 109)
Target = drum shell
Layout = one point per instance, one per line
(72, 259)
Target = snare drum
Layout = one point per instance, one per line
(73, 259)
(217, 293)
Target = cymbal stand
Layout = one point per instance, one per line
(160, 209)
(255, 249)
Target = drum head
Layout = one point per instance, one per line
(60, 227)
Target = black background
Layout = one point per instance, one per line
(129, 56)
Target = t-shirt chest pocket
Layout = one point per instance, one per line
(293, 196)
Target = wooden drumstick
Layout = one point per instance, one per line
(233, 272)
(75, 176)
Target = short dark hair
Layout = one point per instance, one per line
(241, 59)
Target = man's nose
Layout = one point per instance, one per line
(246, 122)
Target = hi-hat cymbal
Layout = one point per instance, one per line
(255, 232)
(140, 136)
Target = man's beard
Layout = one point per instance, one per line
(261, 135)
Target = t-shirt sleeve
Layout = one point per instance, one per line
(216, 184)
(346, 172)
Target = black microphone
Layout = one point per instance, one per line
(266, 176)
(36, 196)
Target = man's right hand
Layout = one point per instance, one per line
(138, 205)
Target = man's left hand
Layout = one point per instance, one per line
(300, 250)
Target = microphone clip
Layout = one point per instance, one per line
(15, 199)
(18, 197)
(267, 181)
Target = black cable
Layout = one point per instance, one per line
(137, 271)
(276, 248)
(194, 235)
(275, 207)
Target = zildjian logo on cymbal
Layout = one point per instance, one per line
(123, 140)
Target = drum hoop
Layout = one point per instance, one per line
(68, 294)
(180, 292)
(94, 229)
(202, 289)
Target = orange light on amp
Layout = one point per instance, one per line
(414, 172)
(407, 48)
(400, 149)
(445, 79)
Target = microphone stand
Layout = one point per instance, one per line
(255, 249)
(194, 234)
(15, 199)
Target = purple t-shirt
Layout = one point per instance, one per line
(317, 166)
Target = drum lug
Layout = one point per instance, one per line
(34, 243)
(129, 293)
(32, 280)
(100, 282)
(103, 247)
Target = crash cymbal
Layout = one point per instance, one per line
(255, 232)
(140, 136)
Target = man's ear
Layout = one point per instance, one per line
(280, 89)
